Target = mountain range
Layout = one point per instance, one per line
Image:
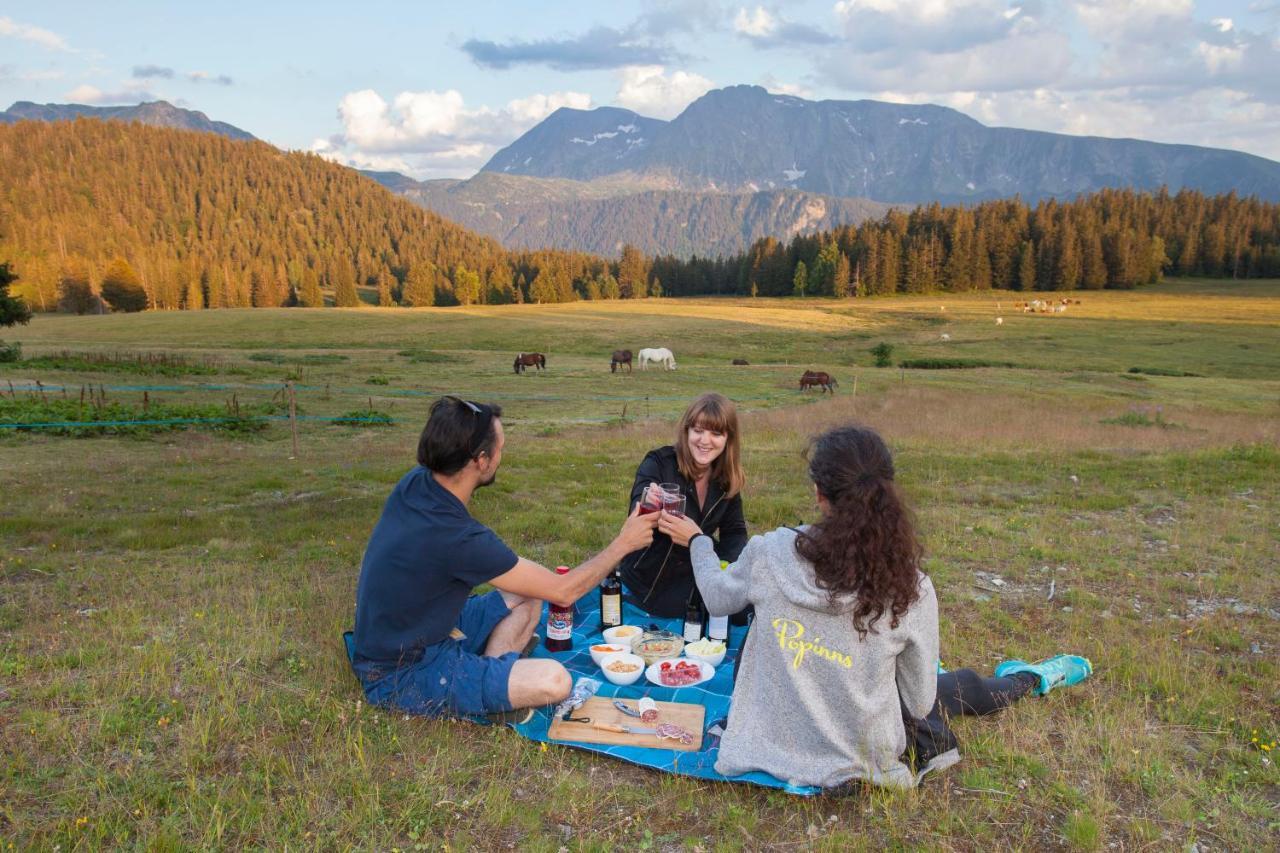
(746, 139)
(154, 113)
(741, 163)
(602, 216)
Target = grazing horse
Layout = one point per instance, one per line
(530, 359)
(657, 355)
(741, 361)
(818, 379)
(620, 356)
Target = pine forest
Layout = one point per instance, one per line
(105, 215)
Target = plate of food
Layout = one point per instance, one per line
(680, 672)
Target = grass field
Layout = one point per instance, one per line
(170, 670)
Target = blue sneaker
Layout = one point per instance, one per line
(1057, 671)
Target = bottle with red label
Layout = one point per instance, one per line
(559, 623)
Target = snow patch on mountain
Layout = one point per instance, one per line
(912, 121)
(793, 174)
(595, 137)
(627, 128)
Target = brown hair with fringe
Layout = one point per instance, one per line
(717, 413)
(866, 544)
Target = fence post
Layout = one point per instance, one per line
(293, 418)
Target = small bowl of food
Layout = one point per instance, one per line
(656, 646)
(622, 668)
(623, 635)
(601, 650)
(706, 650)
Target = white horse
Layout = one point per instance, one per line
(657, 355)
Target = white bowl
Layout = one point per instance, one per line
(715, 659)
(652, 672)
(612, 635)
(623, 677)
(601, 650)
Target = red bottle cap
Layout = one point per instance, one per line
(562, 570)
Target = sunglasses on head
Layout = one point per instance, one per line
(481, 430)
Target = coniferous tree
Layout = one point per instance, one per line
(420, 286)
(13, 310)
(1026, 267)
(309, 295)
(75, 290)
(633, 273)
(121, 287)
(840, 286)
(345, 294)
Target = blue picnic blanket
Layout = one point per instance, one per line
(714, 695)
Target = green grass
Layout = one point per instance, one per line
(171, 674)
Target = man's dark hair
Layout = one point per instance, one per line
(457, 431)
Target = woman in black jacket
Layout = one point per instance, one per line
(706, 463)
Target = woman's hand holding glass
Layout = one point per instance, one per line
(680, 528)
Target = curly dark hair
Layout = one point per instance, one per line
(866, 543)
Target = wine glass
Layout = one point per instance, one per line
(653, 498)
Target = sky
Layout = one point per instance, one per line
(434, 89)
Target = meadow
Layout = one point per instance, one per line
(171, 673)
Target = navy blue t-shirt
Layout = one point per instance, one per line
(424, 557)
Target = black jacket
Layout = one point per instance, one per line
(660, 578)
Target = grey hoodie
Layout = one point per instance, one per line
(814, 704)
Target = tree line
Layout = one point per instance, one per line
(1108, 239)
(97, 215)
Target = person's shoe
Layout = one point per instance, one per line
(1057, 671)
(514, 717)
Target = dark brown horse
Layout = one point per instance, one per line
(530, 359)
(741, 361)
(818, 379)
(620, 356)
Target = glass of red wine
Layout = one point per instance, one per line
(673, 501)
(653, 498)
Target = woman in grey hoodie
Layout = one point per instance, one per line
(846, 623)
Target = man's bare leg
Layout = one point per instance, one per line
(534, 683)
(513, 632)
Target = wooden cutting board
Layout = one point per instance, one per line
(686, 715)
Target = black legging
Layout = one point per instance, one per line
(962, 692)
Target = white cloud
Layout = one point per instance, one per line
(535, 108)
(130, 93)
(1219, 57)
(650, 91)
(432, 133)
(35, 35)
(757, 23)
(773, 84)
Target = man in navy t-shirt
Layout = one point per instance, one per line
(423, 642)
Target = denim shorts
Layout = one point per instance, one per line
(453, 678)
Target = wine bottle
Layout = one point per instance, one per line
(611, 601)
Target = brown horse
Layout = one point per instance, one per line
(620, 356)
(530, 359)
(741, 362)
(818, 379)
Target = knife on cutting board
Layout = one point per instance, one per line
(627, 730)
